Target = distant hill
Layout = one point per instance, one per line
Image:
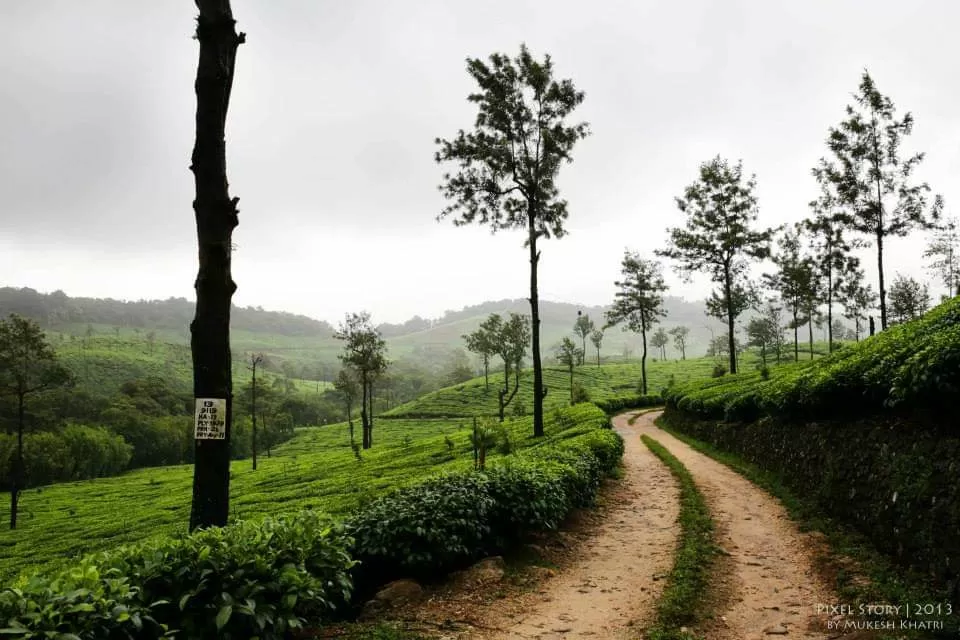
(307, 345)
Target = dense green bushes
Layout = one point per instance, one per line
(260, 579)
(244, 581)
(448, 521)
(615, 405)
(76, 453)
(913, 366)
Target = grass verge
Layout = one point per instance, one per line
(682, 602)
(849, 557)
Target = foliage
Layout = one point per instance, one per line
(717, 237)
(364, 351)
(638, 302)
(508, 165)
(909, 299)
(719, 371)
(660, 340)
(680, 334)
(447, 521)
(596, 337)
(943, 248)
(77, 453)
(579, 394)
(251, 579)
(681, 603)
(485, 340)
(86, 601)
(911, 366)
(871, 178)
(583, 328)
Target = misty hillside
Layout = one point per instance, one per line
(307, 342)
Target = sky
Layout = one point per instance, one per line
(336, 106)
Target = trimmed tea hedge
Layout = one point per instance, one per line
(896, 485)
(449, 521)
(262, 579)
(911, 367)
(243, 581)
(615, 405)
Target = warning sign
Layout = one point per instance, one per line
(211, 422)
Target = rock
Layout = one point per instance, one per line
(777, 630)
(489, 569)
(394, 594)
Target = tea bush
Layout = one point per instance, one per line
(252, 579)
(912, 366)
(85, 602)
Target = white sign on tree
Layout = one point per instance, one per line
(211, 419)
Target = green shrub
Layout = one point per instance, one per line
(424, 529)
(615, 405)
(526, 498)
(251, 579)
(84, 602)
(719, 371)
(242, 581)
(579, 394)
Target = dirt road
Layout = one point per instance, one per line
(771, 587)
(765, 588)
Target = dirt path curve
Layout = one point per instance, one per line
(612, 587)
(771, 589)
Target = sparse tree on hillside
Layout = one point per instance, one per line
(346, 384)
(596, 337)
(744, 296)
(512, 344)
(365, 352)
(871, 178)
(255, 360)
(680, 340)
(718, 239)
(943, 248)
(792, 281)
(857, 299)
(483, 342)
(812, 295)
(28, 366)
(773, 314)
(508, 165)
(638, 302)
(909, 299)
(582, 328)
(718, 348)
(762, 333)
(216, 217)
(830, 251)
(568, 354)
(660, 339)
(458, 367)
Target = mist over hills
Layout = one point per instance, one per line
(295, 337)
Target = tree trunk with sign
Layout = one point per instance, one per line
(216, 217)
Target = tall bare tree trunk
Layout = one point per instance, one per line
(18, 480)
(535, 333)
(216, 217)
(643, 358)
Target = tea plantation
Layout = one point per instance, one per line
(397, 516)
(603, 383)
(869, 434)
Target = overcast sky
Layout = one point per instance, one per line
(335, 108)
